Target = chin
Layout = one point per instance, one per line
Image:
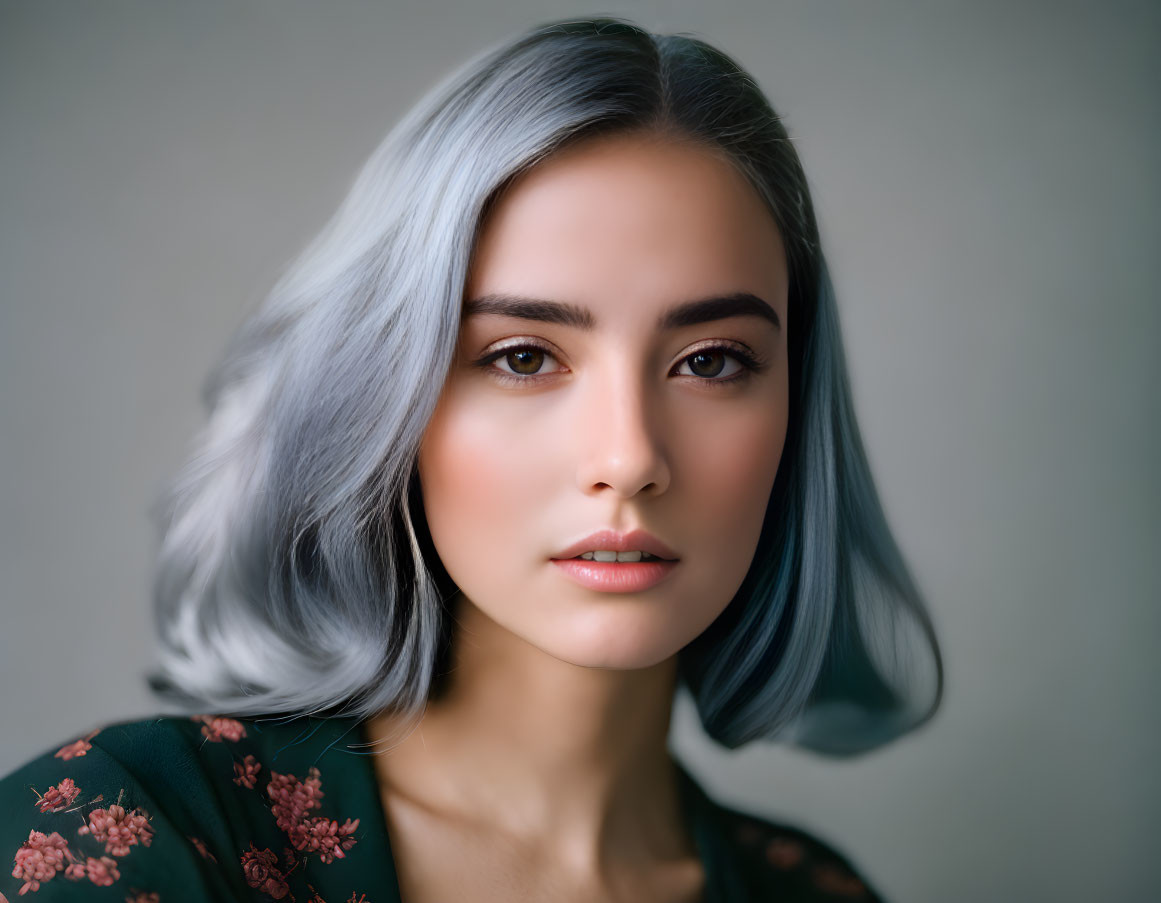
(611, 643)
(602, 660)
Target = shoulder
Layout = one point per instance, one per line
(135, 805)
(112, 763)
(792, 862)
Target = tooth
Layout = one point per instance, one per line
(609, 555)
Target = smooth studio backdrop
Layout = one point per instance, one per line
(986, 181)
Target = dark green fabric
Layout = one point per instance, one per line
(189, 828)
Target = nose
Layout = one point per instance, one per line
(621, 441)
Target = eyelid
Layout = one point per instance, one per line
(726, 344)
(519, 342)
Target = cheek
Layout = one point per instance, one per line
(742, 463)
(730, 474)
(477, 488)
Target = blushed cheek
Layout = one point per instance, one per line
(452, 471)
(472, 479)
(734, 488)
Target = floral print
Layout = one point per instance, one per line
(77, 748)
(292, 800)
(208, 808)
(42, 855)
(218, 729)
(246, 772)
(117, 829)
(101, 872)
(40, 858)
(59, 797)
(260, 868)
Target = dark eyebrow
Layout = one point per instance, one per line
(703, 310)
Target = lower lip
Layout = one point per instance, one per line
(615, 576)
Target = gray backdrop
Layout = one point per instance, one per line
(987, 185)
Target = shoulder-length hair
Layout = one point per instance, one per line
(295, 573)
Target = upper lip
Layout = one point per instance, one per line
(611, 540)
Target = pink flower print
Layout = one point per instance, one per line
(75, 872)
(362, 898)
(246, 772)
(76, 748)
(784, 853)
(79, 748)
(835, 879)
(102, 872)
(117, 829)
(40, 858)
(292, 798)
(59, 797)
(260, 869)
(324, 836)
(201, 848)
(142, 897)
(216, 729)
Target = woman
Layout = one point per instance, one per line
(551, 421)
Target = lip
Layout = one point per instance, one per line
(611, 540)
(615, 576)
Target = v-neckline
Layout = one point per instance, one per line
(722, 882)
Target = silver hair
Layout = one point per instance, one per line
(295, 572)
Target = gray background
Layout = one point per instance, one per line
(987, 185)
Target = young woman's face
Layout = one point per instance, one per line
(610, 418)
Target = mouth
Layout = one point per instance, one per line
(616, 557)
(611, 546)
(616, 576)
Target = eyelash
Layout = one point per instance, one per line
(750, 364)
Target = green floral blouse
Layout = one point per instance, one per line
(170, 810)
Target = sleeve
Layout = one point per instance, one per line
(79, 818)
(799, 866)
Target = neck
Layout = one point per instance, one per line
(544, 751)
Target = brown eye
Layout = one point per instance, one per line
(707, 363)
(519, 363)
(525, 361)
(712, 365)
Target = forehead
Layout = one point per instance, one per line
(630, 218)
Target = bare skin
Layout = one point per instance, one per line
(543, 773)
(458, 829)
